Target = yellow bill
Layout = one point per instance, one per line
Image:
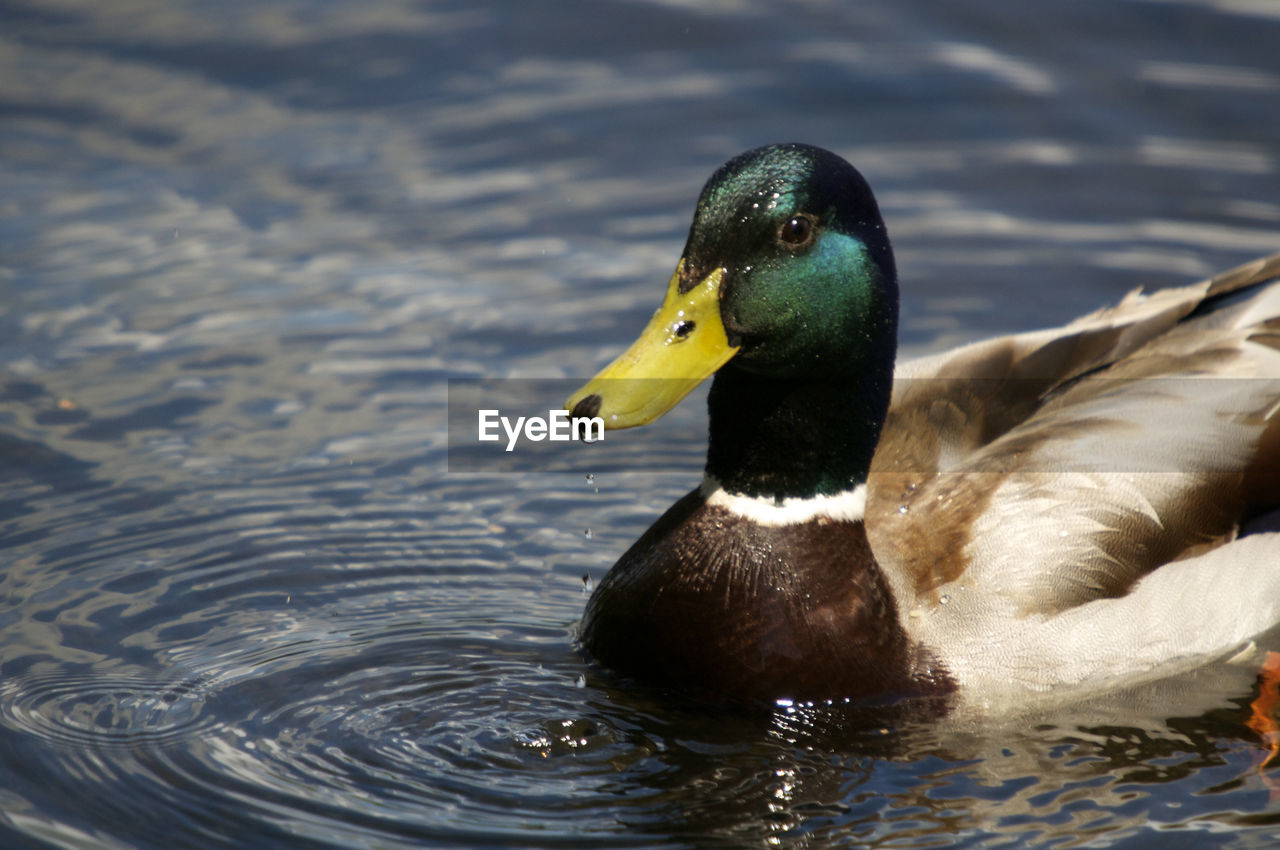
(683, 343)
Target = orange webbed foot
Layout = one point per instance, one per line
(1262, 718)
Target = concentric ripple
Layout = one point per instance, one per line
(105, 711)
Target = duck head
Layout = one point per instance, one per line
(787, 287)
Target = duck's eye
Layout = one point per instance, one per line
(796, 232)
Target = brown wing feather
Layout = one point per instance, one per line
(963, 425)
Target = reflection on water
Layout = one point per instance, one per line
(244, 247)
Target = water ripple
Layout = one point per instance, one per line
(105, 711)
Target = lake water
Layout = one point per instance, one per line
(246, 601)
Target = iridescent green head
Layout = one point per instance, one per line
(787, 273)
(809, 278)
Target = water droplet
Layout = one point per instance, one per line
(1062, 533)
(587, 534)
(944, 599)
(587, 583)
(591, 478)
(581, 681)
(902, 509)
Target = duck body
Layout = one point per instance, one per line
(800, 609)
(1018, 519)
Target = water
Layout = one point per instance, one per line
(244, 247)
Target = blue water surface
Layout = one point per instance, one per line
(245, 247)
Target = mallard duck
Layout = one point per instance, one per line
(1037, 514)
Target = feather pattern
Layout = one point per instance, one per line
(1106, 492)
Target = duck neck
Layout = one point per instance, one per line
(786, 438)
